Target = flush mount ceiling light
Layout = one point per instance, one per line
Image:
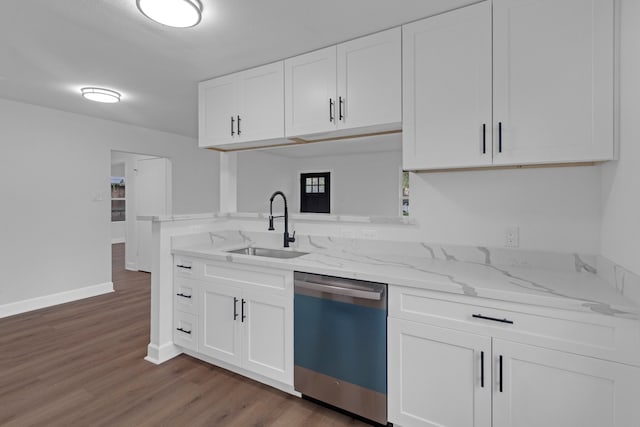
(173, 13)
(100, 94)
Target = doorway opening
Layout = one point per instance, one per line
(140, 190)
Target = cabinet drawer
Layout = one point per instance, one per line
(582, 333)
(185, 332)
(185, 295)
(256, 277)
(185, 267)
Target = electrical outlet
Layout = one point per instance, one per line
(348, 233)
(512, 237)
(370, 233)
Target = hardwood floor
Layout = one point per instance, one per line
(81, 364)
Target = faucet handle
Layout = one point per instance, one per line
(293, 236)
(271, 223)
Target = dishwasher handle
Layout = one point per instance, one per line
(372, 294)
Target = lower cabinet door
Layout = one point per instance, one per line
(437, 376)
(550, 388)
(220, 333)
(268, 346)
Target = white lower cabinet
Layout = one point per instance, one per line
(265, 340)
(450, 369)
(550, 388)
(185, 331)
(438, 377)
(240, 316)
(246, 329)
(219, 323)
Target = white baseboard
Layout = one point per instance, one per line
(117, 240)
(160, 354)
(24, 306)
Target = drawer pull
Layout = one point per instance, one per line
(235, 308)
(184, 330)
(242, 308)
(183, 295)
(188, 267)
(494, 319)
(484, 138)
(331, 115)
(482, 369)
(500, 373)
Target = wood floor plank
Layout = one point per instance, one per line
(82, 364)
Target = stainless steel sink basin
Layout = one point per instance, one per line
(267, 252)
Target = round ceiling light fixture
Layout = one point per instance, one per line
(98, 94)
(173, 13)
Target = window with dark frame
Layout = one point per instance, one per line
(315, 192)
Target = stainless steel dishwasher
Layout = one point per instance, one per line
(340, 343)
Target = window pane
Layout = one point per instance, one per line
(315, 181)
(309, 188)
(308, 181)
(321, 180)
(321, 189)
(117, 210)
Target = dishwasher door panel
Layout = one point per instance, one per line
(341, 340)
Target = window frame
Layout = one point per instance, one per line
(299, 174)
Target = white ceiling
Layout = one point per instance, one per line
(49, 49)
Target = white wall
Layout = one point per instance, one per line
(621, 179)
(259, 175)
(361, 184)
(557, 209)
(55, 169)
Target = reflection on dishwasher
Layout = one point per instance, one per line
(340, 343)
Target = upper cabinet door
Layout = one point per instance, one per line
(447, 90)
(217, 111)
(261, 103)
(310, 92)
(370, 80)
(553, 80)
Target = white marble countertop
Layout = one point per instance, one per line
(306, 217)
(561, 281)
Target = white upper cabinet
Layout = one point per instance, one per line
(352, 86)
(242, 107)
(447, 90)
(370, 81)
(310, 92)
(261, 103)
(553, 80)
(551, 99)
(218, 106)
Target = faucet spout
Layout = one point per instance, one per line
(287, 238)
